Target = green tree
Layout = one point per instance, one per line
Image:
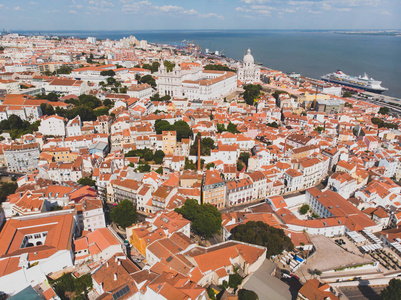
(158, 157)
(159, 170)
(53, 97)
(107, 102)
(87, 181)
(124, 214)
(210, 165)
(109, 73)
(232, 128)
(6, 189)
(240, 166)
(111, 80)
(234, 280)
(89, 101)
(154, 67)
(221, 128)
(244, 294)
(183, 130)
(392, 291)
(206, 219)
(218, 68)
(259, 233)
(244, 157)
(143, 168)
(304, 209)
(64, 70)
(384, 110)
(169, 65)
(104, 111)
(207, 145)
(347, 94)
(251, 93)
(149, 80)
(211, 293)
(319, 129)
(273, 124)
(47, 109)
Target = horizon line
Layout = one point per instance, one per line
(202, 29)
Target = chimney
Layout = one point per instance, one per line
(115, 276)
(285, 146)
(107, 264)
(119, 262)
(199, 152)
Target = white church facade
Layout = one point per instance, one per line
(249, 72)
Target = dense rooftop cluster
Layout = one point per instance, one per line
(88, 123)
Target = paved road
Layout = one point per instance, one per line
(266, 286)
(362, 292)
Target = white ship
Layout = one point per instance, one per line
(361, 82)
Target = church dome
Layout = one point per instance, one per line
(248, 58)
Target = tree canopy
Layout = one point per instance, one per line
(218, 68)
(169, 65)
(259, 233)
(207, 145)
(153, 67)
(87, 181)
(206, 219)
(6, 189)
(251, 93)
(148, 79)
(384, 110)
(180, 127)
(244, 294)
(68, 283)
(392, 291)
(380, 123)
(109, 73)
(17, 127)
(124, 214)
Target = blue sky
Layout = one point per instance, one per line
(199, 14)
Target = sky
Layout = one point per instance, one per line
(198, 14)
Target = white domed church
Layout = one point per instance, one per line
(249, 72)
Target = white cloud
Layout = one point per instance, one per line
(17, 8)
(255, 1)
(33, 3)
(256, 9)
(101, 3)
(71, 11)
(146, 7)
(385, 12)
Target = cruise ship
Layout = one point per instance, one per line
(360, 82)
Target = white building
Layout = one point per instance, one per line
(67, 86)
(21, 158)
(195, 83)
(239, 192)
(140, 91)
(74, 126)
(249, 72)
(34, 246)
(294, 180)
(10, 86)
(52, 125)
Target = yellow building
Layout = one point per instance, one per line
(214, 189)
(62, 154)
(169, 141)
(308, 97)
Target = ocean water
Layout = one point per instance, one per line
(310, 53)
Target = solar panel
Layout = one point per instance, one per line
(121, 292)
